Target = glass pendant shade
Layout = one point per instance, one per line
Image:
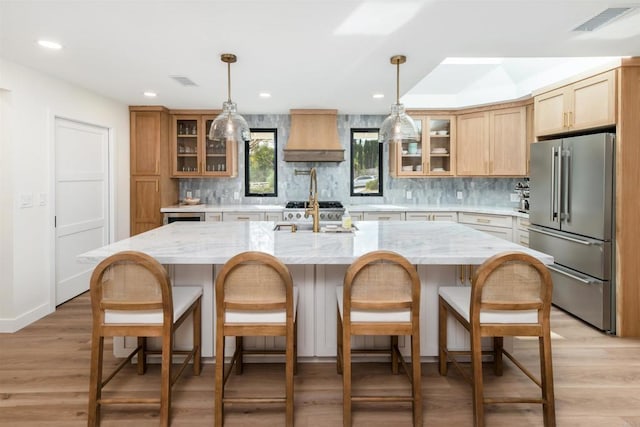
(398, 126)
(229, 125)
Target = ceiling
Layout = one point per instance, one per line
(310, 53)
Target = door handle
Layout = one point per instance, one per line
(553, 212)
(571, 239)
(573, 276)
(564, 215)
(558, 185)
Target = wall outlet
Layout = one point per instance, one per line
(236, 195)
(459, 195)
(43, 199)
(514, 197)
(408, 195)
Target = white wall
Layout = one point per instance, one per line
(31, 100)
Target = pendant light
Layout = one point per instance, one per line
(398, 126)
(229, 126)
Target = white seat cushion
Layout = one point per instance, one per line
(183, 297)
(374, 316)
(260, 316)
(459, 298)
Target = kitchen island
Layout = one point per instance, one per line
(444, 253)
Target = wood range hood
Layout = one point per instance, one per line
(313, 137)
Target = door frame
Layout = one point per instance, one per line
(52, 118)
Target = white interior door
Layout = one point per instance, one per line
(81, 201)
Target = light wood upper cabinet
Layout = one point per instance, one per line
(432, 154)
(492, 143)
(586, 104)
(194, 154)
(146, 133)
(473, 144)
(508, 142)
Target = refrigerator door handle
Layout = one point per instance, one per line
(566, 180)
(573, 276)
(552, 205)
(558, 183)
(571, 239)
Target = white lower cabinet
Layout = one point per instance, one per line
(521, 232)
(242, 216)
(383, 216)
(498, 225)
(273, 216)
(432, 216)
(213, 216)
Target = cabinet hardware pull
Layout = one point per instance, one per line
(482, 220)
(157, 166)
(243, 218)
(569, 119)
(382, 218)
(461, 267)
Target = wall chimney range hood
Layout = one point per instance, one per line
(313, 137)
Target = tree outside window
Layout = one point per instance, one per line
(261, 173)
(366, 164)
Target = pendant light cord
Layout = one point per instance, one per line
(229, 81)
(398, 83)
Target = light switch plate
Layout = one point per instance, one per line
(409, 195)
(43, 199)
(236, 195)
(26, 200)
(459, 195)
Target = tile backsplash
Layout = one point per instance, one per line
(333, 177)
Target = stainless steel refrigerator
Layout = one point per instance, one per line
(572, 213)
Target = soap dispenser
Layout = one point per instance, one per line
(346, 220)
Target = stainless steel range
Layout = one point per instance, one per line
(329, 211)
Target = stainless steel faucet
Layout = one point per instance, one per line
(313, 208)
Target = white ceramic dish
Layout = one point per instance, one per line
(191, 201)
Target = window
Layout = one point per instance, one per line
(366, 163)
(260, 165)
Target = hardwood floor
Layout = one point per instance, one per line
(44, 379)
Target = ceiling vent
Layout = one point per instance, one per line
(602, 18)
(184, 81)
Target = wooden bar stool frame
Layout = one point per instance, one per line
(164, 330)
(288, 329)
(478, 330)
(348, 328)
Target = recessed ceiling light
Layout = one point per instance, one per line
(150, 94)
(50, 44)
(265, 95)
(378, 95)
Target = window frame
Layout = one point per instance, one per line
(380, 163)
(247, 186)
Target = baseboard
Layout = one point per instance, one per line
(25, 319)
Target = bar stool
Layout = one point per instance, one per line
(255, 296)
(510, 295)
(131, 295)
(381, 296)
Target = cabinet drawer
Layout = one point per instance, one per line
(503, 233)
(273, 216)
(384, 216)
(432, 216)
(486, 219)
(523, 223)
(242, 216)
(213, 216)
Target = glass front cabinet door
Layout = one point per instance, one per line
(194, 154)
(431, 154)
(220, 157)
(186, 131)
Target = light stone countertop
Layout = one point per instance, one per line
(423, 243)
(351, 208)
